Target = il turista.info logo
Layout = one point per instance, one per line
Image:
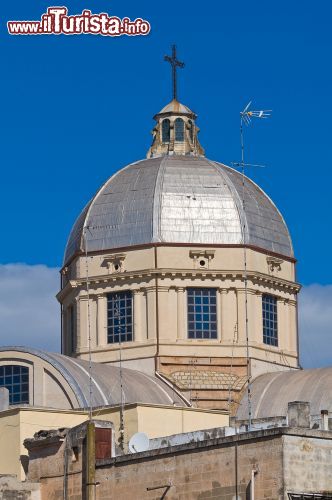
(56, 21)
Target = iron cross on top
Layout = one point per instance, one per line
(175, 64)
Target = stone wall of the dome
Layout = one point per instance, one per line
(179, 257)
(159, 277)
(159, 228)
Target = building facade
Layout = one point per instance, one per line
(176, 261)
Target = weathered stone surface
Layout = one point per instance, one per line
(285, 459)
(12, 489)
(4, 398)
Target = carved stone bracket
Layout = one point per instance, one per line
(201, 258)
(274, 264)
(114, 263)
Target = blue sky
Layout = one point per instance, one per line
(75, 109)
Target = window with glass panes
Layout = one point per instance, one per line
(202, 313)
(16, 379)
(119, 317)
(270, 320)
(72, 328)
(165, 130)
(179, 129)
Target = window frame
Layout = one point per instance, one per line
(167, 131)
(197, 308)
(19, 376)
(72, 327)
(125, 303)
(270, 320)
(178, 131)
(191, 130)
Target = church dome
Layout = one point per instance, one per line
(271, 392)
(179, 199)
(176, 107)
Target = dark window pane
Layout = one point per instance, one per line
(191, 130)
(119, 317)
(179, 129)
(270, 320)
(165, 130)
(202, 314)
(12, 378)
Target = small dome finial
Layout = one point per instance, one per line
(175, 132)
(175, 63)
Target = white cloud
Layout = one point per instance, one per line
(29, 311)
(315, 322)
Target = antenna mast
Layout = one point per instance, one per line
(245, 118)
(117, 317)
(89, 320)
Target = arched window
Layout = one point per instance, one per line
(165, 130)
(72, 329)
(179, 130)
(16, 379)
(191, 130)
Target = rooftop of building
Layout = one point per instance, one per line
(179, 199)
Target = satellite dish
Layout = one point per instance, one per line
(138, 442)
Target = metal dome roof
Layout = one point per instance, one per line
(175, 107)
(179, 199)
(271, 392)
(138, 387)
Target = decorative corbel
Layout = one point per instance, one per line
(114, 263)
(201, 258)
(274, 263)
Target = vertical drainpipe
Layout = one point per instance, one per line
(157, 307)
(297, 323)
(297, 333)
(61, 317)
(252, 484)
(236, 465)
(90, 461)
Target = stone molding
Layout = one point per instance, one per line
(254, 277)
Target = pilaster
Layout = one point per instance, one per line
(181, 314)
(228, 315)
(138, 315)
(101, 320)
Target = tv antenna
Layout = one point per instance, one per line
(87, 287)
(118, 326)
(245, 118)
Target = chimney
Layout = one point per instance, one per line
(324, 420)
(299, 414)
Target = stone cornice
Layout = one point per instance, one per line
(256, 278)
